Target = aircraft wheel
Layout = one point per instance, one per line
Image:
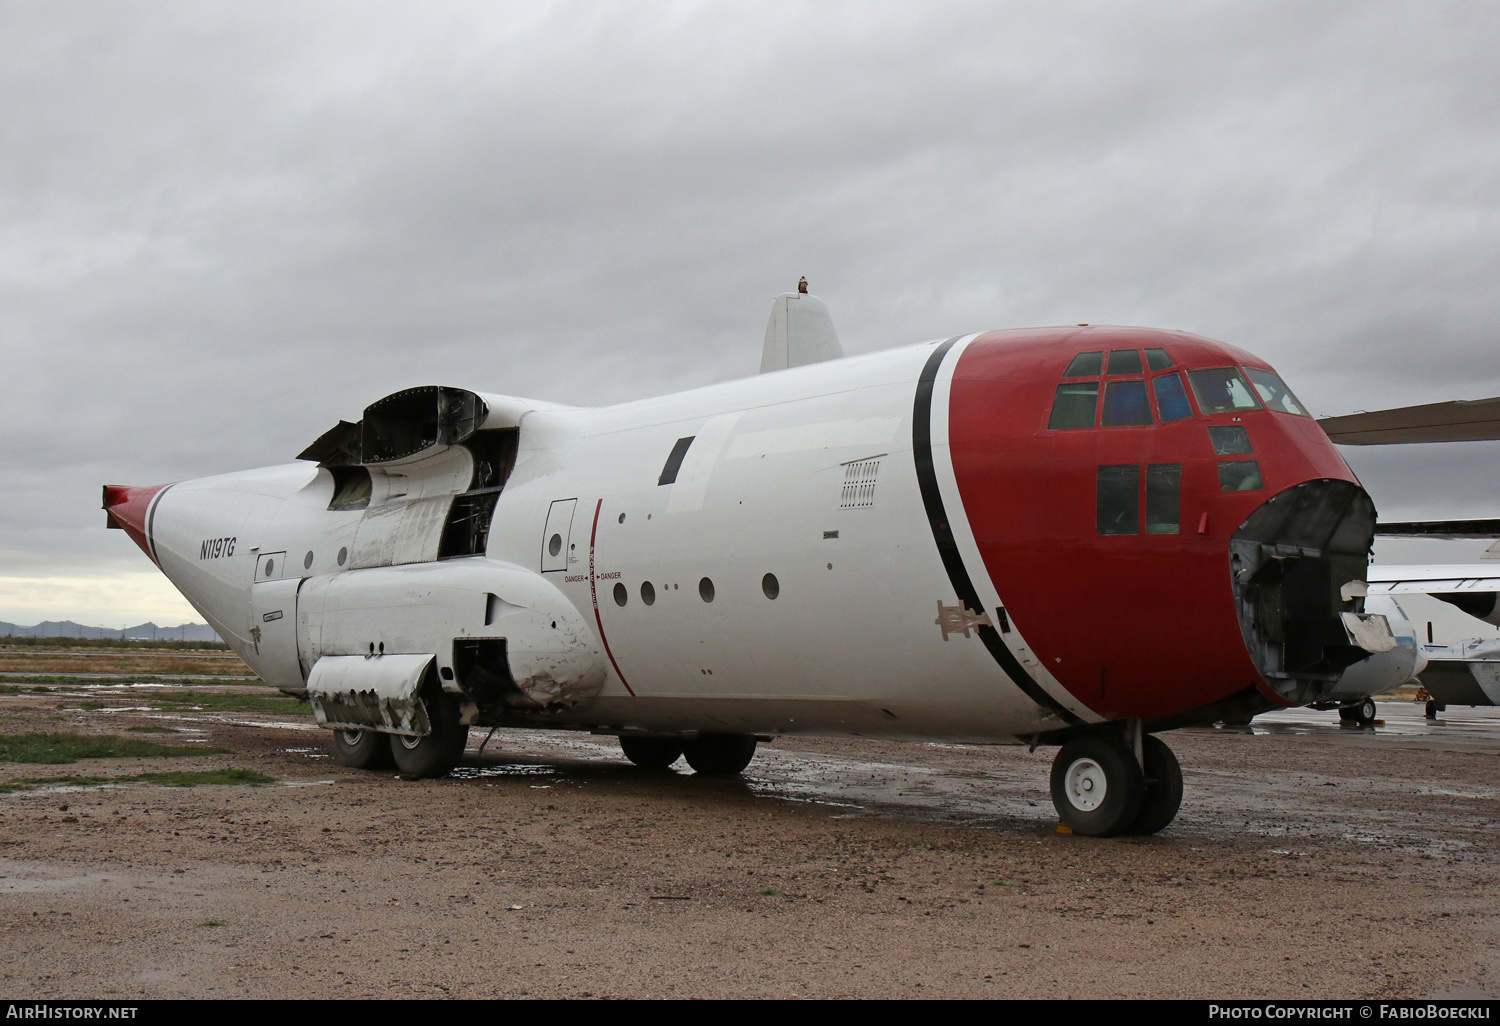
(1433, 708)
(1348, 714)
(1163, 788)
(1097, 786)
(719, 755)
(362, 749)
(437, 753)
(1364, 713)
(651, 752)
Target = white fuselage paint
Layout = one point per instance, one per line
(849, 645)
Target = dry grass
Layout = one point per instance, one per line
(122, 662)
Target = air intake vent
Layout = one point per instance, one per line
(859, 484)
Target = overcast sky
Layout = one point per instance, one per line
(223, 226)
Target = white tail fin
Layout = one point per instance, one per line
(799, 332)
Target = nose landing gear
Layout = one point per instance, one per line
(1101, 789)
(1360, 714)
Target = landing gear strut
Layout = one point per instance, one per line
(1101, 790)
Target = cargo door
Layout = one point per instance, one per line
(273, 630)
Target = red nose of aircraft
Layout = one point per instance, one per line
(128, 507)
(1115, 495)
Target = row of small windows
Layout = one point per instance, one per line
(769, 586)
(1126, 403)
(1121, 489)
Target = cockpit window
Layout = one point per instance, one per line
(1074, 406)
(1171, 398)
(1222, 390)
(1275, 393)
(1125, 404)
(1124, 361)
(1239, 476)
(1157, 359)
(1229, 440)
(1085, 365)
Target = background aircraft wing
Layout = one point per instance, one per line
(1463, 420)
(1441, 529)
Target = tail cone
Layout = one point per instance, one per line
(126, 508)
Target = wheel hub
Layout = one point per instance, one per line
(1085, 785)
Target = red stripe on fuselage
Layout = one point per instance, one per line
(594, 598)
(1141, 625)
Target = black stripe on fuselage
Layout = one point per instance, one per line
(151, 524)
(942, 534)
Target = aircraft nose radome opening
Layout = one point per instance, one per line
(1291, 562)
(126, 508)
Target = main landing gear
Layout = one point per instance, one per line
(432, 755)
(710, 755)
(1101, 789)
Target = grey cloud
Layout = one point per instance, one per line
(224, 226)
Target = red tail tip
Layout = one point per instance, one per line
(125, 507)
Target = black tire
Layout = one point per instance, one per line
(1163, 788)
(1348, 714)
(362, 749)
(1365, 713)
(651, 752)
(719, 755)
(1433, 708)
(437, 753)
(1097, 786)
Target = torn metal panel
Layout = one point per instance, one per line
(959, 619)
(1295, 566)
(409, 531)
(371, 693)
(1370, 631)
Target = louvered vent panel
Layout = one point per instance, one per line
(859, 484)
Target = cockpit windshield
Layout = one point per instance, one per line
(1222, 390)
(1275, 393)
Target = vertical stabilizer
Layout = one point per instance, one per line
(800, 331)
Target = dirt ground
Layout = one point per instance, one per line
(1307, 861)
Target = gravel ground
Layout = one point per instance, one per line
(1308, 861)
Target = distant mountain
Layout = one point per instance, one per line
(141, 632)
